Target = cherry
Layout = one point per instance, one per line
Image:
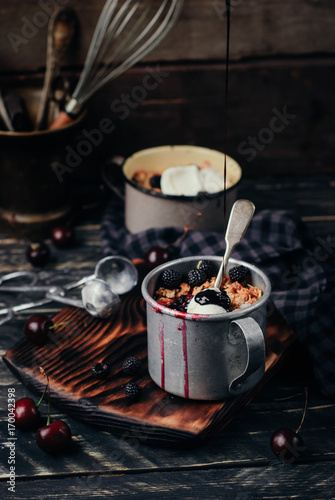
(38, 253)
(286, 444)
(37, 328)
(156, 256)
(62, 236)
(55, 437)
(27, 415)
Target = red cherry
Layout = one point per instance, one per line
(62, 236)
(27, 415)
(38, 254)
(286, 444)
(37, 328)
(54, 438)
(156, 256)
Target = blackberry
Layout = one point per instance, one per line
(224, 300)
(131, 365)
(207, 267)
(133, 391)
(171, 279)
(155, 181)
(196, 277)
(238, 273)
(100, 370)
(181, 303)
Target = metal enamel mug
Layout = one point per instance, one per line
(206, 357)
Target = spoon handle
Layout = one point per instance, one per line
(61, 32)
(239, 220)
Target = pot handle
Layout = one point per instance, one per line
(248, 330)
(115, 161)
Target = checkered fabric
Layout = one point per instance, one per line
(278, 243)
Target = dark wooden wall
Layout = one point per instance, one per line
(282, 59)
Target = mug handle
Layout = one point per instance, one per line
(115, 161)
(249, 330)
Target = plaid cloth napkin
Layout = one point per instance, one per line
(278, 243)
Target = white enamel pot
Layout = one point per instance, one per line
(145, 209)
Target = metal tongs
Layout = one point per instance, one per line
(113, 276)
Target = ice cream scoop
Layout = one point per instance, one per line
(190, 180)
(212, 180)
(207, 301)
(181, 181)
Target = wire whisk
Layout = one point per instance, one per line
(125, 33)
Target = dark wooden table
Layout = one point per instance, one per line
(238, 463)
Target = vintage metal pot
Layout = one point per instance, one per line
(206, 356)
(146, 208)
(32, 198)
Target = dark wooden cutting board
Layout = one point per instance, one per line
(158, 418)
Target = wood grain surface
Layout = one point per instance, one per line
(259, 28)
(158, 418)
(282, 55)
(262, 482)
(235, 464)
(187, 107)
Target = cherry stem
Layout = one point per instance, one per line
(48, 420)
(280, 462)
(287, 397)
(187, 229)
(59, 324)
(304, 414)
(46, 387)
(41, 398)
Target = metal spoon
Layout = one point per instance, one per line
(239, 219)
(4, 115)
(61, 32)
(97, 297)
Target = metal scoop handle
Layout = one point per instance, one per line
(31, 287)
(9, 311)
(239, 220)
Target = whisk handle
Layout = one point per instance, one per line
(61, 120)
